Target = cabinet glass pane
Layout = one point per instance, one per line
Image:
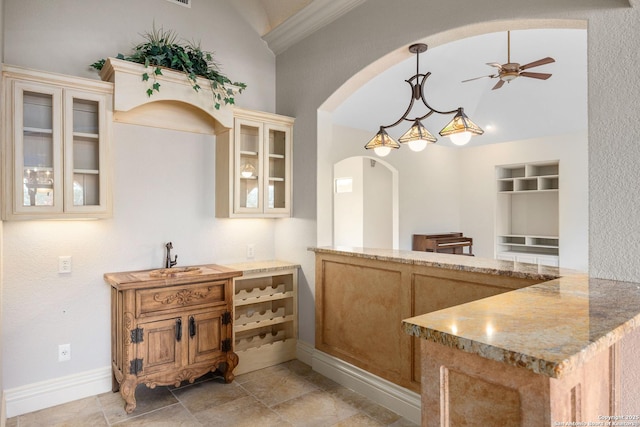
(85, 116)
(249, 141)
(86, 189)
(277, 169)
(249, 166)
(249, 193)
(37, 149)
(86, 153)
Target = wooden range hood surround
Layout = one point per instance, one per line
(175, 106)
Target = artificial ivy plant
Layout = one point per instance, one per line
(162, 49)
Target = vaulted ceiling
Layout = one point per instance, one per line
(522, 109)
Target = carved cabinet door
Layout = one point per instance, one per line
(161, 348)
(207, 333)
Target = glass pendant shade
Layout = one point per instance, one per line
(417, 137)
(382, 143)
(460, 129)
(247, 170)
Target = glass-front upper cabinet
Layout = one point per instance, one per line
(255, 181)
(55, 146)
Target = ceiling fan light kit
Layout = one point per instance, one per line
(511, 70)
(460, 129)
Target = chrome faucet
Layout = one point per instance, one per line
(168, 263)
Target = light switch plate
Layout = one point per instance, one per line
(64, 264)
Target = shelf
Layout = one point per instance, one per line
(253, 296)
(274, 178)
(36, 131)
(86, 135)
(263, 323)
(254, 317)
(276, 156)
(257, 341)
(87, 171)
(249, 153)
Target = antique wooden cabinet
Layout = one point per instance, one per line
(170, 325)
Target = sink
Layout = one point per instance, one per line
(175, 272)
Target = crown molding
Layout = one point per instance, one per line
(310, 19)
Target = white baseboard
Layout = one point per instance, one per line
(45, 394)
(398, 399)
(3, 410)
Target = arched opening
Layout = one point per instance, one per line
(447, 189)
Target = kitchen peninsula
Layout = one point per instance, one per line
(495, 342)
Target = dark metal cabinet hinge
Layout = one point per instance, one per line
(226, 345)
(137, 335)
(226, 318)
(136, 366)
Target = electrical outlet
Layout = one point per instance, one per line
(250, 250)
(64, 352)
(64, 264)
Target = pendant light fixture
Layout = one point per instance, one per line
(460, 129)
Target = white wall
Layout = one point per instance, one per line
(453, 189)
(163, 184)
(478, 191)
(348, 206)
(429, 183)
(2, 400)
(378, 205)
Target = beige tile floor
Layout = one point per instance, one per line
(290, 394)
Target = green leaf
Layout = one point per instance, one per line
(158, 71)
(156, 86)
(149, 92)
(119, 56)
(145, 77)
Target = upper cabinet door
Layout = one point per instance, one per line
(85, 152)
(277, 161)
(37, 148)
(248, 166)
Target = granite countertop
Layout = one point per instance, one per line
(549, 328)
(450, 262)
(253, 267)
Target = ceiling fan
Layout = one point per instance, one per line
(511, 70)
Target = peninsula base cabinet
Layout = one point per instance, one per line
(461, 388)
(167, 331)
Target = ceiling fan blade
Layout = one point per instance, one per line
(481, 77)
(494, 64)
(498, 85)
(537, 63)
(541, 76)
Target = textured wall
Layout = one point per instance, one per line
(371, 36)
(163, 183)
